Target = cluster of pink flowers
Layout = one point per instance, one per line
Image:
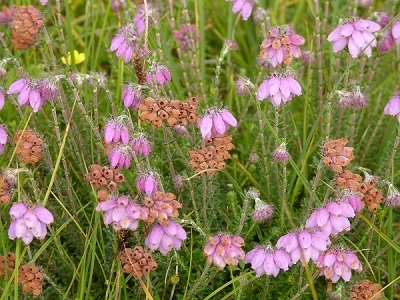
(122, 213)
(125, 42)
(120, 155)
(116, 131)
(337, 263)
(268, 260)
(3, 138)
(281, 46)
(147, 183)
(166, 238)
(279, 88)
(332, 218)
(224, 249)
(140, 17)
(354, 99)
(280, 154)
(2, 99)
(131, 96)
(158, 74)
(187, 36)
(357, 35)
(353, 199)
(28, 222)
(262, 211)
(242, 7)
(34, 93)
(216, 122)
(393, 107)
(140, 144)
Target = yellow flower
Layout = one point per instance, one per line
(78, 57)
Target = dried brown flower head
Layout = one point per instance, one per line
(7, 264)
(337, 155)
(137, 262)
(29, 146)
(31, 279)
(348, 180)
(160, 207)
(366, 290)
(370, 195)
(25, 25)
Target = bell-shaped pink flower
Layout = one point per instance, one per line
(393, 107)
(120, 155)
(147, 183)
(224, 249)
(243, 7)
(3, 137)
(141, 145)
(125, 42)
(29, 92)
(2, 99)
(140, 17)
(166, 238)
(116, 131)
(396, 32)
(131, 96)
(158, 74)
(216, 122)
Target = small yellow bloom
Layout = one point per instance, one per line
(78, 58)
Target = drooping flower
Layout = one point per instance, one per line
(48, 89)
(120, 155)
(187, 35)
(3, 138)
(147, 183)
(262, 211)
(279, 88)
(244, 86)
(216, 122)
(304, 245)
(243, 7)
(116, 131)
(268, 260)
(140, 17)
(125, 42)
(338, 263)
(393, 198)
(396, 32)
(158, 74)
(29, 222)
(280, 154)
(28, 92)
(357, 35)
(393, 107)
(122, 213)
(166, 238)
(131, 96)
(141, 145)
(354, 200)
(281, 46)
(44, 2)
(2, 99)
(353, 99)
(224, 249)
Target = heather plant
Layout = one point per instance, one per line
(139, 159)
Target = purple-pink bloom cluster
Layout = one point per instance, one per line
(116, 131)
(354, 99)
(216, 122)
(166, 238)
(3, 138)
(243, 7)
(147, 184)
(336, 263)
(224, 249)
(122, 213)
(393, 107)
(279, 88)
(268, 260)
(158, 74)
(28, 222)
(2, 99)
(187, 36)
(357, 35)
(125, 42)
(131, 96)
(120, 155)
(140, 17)
(140, 144)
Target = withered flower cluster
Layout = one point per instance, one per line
(348, 180)
(104, 179)
(212, 155)
(137, 262)
(5, 190)
(174, 112)
(160, 207)
(337, 155)
(29, 146)
(365, 289)
(370, 195)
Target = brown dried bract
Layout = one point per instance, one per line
(31, 279)
(160, 207)
(212, 155)
(370, 195)
(7, 264)
(29, 146)
(366, 290)
(348, 180)
(6, 15)
(337, 155)
(104, 179)
(25, 25)
(5, 190)
(137, 262)
(174, 112)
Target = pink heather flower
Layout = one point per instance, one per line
(44, 2)
(244, 86)
(386, 42)
(224, 249)
(3, 138)
(125, 41)
(120, 155)
(280, 154)
(268, 260)
(279, 89)
(2, 99)
(28, 222)
(117, 5)
(337, 263)
(393, 107)
(140, 17)
(158, 74)
(48, 90)
(181, 130)
(332, 218)
(281, 46)
(131, 96)
(28, 91)
(304, 245)
(354, 200)
(243, 7)
(116, 131)
(216, 122)
(141, 146)
(357, 35)
(382, 18)
(354, 99)
(364, 3)
(262, 211)
(187, 35)
(396, 32)
(393, 199)
(166, 238)
(147, 183)
(122, 213)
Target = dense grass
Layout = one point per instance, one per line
(79, 255)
